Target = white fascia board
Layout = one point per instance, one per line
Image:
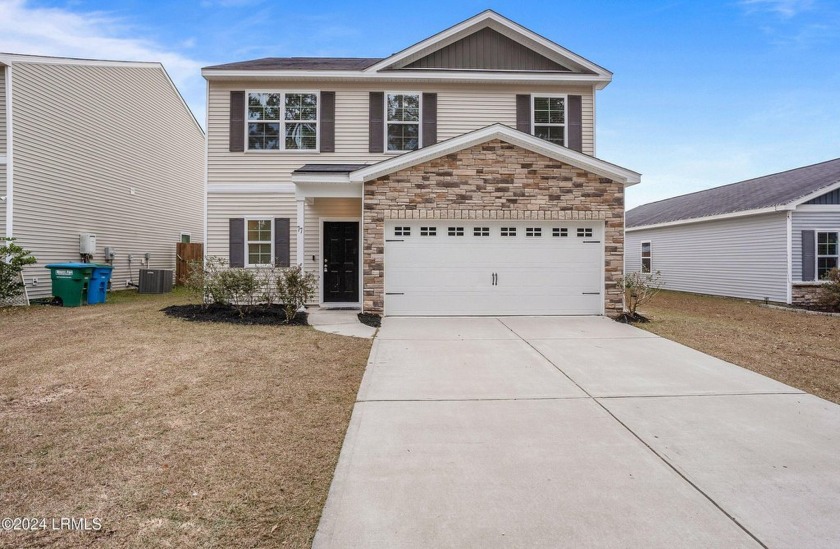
(332, 178)
(514, 77)
(818, 208)
(10, 58)
(504, 133)
(250, 188)
(745, 213)
(328, 190)
(498, 22)
(819, 192)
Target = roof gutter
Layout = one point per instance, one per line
(719, 217)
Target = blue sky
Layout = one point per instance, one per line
(705, 92)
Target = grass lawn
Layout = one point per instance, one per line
(173, 433)
(797, 349)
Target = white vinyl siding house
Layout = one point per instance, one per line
(756, 239)
(732, 257)
(125, 162)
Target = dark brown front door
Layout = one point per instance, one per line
(341, 261)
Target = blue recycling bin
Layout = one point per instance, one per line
(98, 285)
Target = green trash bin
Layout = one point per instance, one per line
(69, 282)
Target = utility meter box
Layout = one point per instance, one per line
(87, 243)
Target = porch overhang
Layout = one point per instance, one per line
(326, 181)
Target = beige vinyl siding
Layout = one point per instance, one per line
(84, 137)
(809, 221)
(460, 109)
(2, 110)
(740, 257)
(324, 208)
(223, 206)
(3, 204)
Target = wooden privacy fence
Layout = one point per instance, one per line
(184, 254)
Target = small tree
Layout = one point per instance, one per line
(829, 295)
(236, 287)
(13, 259)
(294, 288)
(639, 288)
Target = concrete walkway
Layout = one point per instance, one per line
(549, 432)
(340, 322)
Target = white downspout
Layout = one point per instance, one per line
(789, 257)
(9, 156)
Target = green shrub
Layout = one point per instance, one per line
(13, 259)
(294, 288)
(829, 295)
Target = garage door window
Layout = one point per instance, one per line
(481, 231)
(584, 233)
(533, 231)
(456, 231)
(402, 231)
(508, 231)
(560, 231)
(428, 231)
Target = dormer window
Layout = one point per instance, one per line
(549, 118)
(402, 116)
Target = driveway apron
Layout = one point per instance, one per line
(576, 431)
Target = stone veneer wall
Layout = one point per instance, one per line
(494, 180)
(805, 294)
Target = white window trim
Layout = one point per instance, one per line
(565, 124)
(282, 123)
(817, 255)
(642, 257)
(247, 241)
(419, 121)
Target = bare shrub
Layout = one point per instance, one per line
(639, 288)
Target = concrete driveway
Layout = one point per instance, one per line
(569, 432)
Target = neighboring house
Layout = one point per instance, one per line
(101, 147)
(772, 237)
(457, 176)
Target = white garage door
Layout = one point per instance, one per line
(476, 267)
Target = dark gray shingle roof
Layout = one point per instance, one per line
(762, 192)
(300, 63)
(329, 168)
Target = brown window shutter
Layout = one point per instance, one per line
(429, 119)
(327, 114)
(809, 255)
(236, 242)
(574, 123)
(237, 121)
(282, 242)
(376, 119)
(523, 113)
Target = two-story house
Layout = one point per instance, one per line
(103, 148)
(457, 176)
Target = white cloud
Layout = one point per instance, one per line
(96, 35)
(783, 8)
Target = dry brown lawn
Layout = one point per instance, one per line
(173, 433)
(797, 349)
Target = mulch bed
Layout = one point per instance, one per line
(627, 318)
(251, 315)
(375, 321)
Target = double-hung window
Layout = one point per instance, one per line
(402, 118)
(646, 257)
(549, 118)
(282, 121)
(827, 253)
(258, 244)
